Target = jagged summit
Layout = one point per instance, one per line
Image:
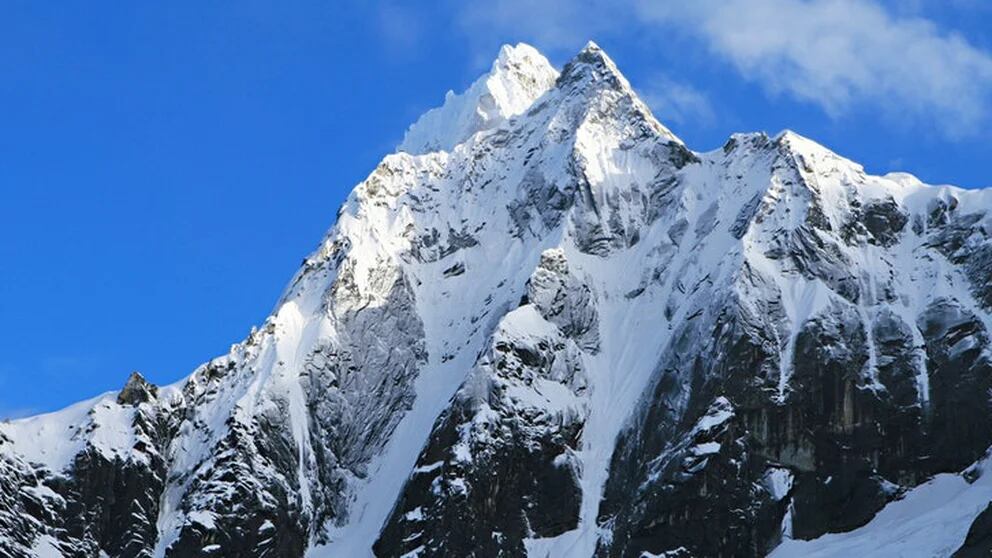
(798, 143)
(520, 55)
(136, 390)
(592, 64)
(548, 328)
(591, 53)
(593, 70)
(519, 75)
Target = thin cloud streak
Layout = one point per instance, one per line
(677, 102)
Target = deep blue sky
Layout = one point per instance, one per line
(166, 166)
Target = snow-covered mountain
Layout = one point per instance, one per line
(546, 327)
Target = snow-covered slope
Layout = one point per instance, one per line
(930, 520)
(546, 327)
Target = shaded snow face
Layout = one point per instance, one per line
(544, 326)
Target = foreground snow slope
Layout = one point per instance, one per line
(931, 520)
(546, 327)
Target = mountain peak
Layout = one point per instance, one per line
(792, 138)
(592, 51)
(592, 72)
(593, 59)
(137, 390)
(812, 155)
(519, 75)
(520, 53)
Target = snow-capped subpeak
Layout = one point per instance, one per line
(518, 77)
(592, 71)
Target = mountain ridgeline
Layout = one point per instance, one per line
(547, 327)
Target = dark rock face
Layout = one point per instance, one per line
(542, 204)
(515, 487)
(900, 363)
(248, 505)
(100, 493)
(253, 499)
(831, 409)
(978, 543)
(136, 390)
(430, 247)
(850, 442)
(965, 240)
(500, 466)
(24, 509)
(704, 479)
(879, 221)
(100, 503)
(352, 413)
(675, 476)
(960, 378)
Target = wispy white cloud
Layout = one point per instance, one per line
(677, 102)
(840, 55)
